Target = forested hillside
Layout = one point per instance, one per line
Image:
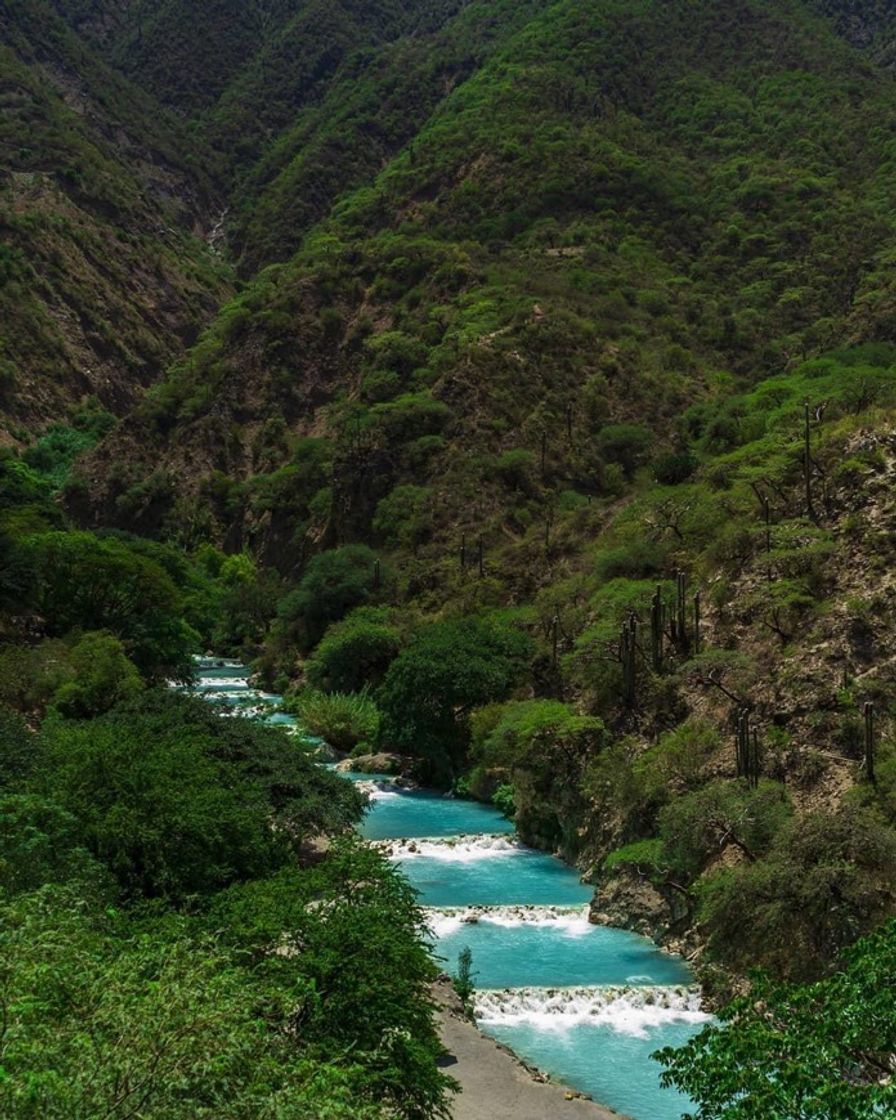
(513, 383)
(105, 270)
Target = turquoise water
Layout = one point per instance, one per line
(404, 813)
(524, 876)
(613, 1067)
(584, 1003)
(561, 949)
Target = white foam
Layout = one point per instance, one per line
(570, 921)
(631, 1011)
(451, 849)
(378, 791)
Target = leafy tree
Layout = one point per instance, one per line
(364, 967)
(17, 749)
(103, 677)
(823, 1051)
(30, 676)
(39, 844)
(86, 582)
(448, 669)
(464, 982)
(333, 584)
(176, 802)
(354, 652)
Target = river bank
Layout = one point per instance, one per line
(495, 1083)
(586, 1003)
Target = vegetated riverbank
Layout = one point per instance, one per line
(545, 975)
(626, 901)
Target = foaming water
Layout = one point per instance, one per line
(628, 1010)
(514, 876)
(377, 790)
(426, 814)
(450, 849)
(447, 920)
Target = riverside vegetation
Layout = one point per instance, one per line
(514, 384)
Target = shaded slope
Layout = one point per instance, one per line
(104, 206)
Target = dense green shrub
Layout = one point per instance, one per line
(97, 1002)
(103, 677)
(674, 765)
(354, 652)
(825, 881)
(447, 669)
(343, 719)
(516, 468)
(695, 827)
(626, 445)
(334, 583)
(674, 468)
(404, 517)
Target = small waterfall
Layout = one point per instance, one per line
(625, 1010)
(569, 920)
(377, 790)
(451, 849)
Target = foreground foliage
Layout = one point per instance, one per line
(824, 1051)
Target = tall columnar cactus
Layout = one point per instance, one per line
(628, 657)
(868, 710)
(657, 630)
(682, 610)
(697, 635)
(747, 749)
(679, 621)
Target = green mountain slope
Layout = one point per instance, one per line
(105, 205)
(591, 222)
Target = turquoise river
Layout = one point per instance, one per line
(585, 1003)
